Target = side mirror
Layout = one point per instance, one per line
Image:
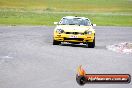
(93, 24)
(56, 23)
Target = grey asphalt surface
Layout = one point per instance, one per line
(29, 60)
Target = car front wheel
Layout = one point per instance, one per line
(56, 42)
(90, 44)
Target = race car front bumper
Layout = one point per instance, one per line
(74, 38)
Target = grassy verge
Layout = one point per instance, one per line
(71, 5)
(13, 17)
(45, 12)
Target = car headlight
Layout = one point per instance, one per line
(59, 31)
(88, 32)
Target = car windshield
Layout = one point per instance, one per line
(75, 21)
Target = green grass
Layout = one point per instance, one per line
(71, 5)
(45, 12)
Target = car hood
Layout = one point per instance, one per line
(73, 28)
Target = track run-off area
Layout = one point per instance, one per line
(29, 60)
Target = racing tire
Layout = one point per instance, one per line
(56, 42)
(91, 44)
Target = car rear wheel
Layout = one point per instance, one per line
(56, 42)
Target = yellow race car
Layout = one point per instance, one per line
(73, 29)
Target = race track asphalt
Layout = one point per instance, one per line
(29, 60)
